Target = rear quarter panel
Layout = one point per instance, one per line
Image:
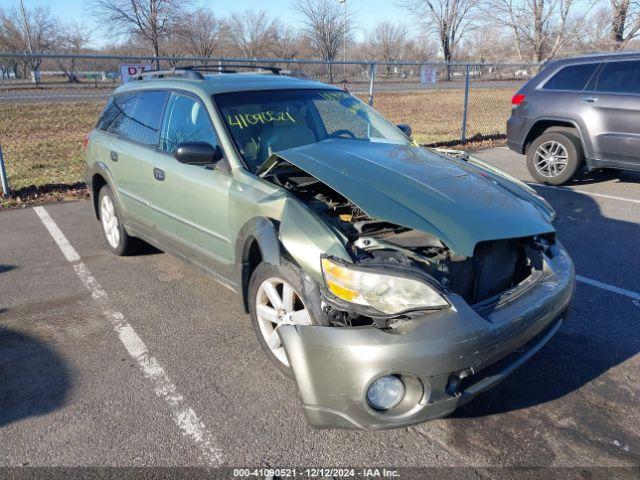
(561, 106)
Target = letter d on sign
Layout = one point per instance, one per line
(131, 72)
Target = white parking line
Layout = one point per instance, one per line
(183, 415)
(610, 288)
(591, 194)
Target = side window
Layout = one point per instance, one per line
(118, 106)
(136, 116)
(573, 77)
(109, 113)
(185, 120)
(619, 77)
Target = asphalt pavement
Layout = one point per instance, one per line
(145, 361)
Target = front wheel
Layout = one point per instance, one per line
(554, 158)
(276, 299)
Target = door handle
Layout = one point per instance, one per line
(114, 156)
(158, 174)
(589, 99)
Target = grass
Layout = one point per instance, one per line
(42, 142)
(436, 115)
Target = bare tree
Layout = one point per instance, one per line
(540, 28)
(388, 42)
(450, 20)
(421, 48)
(625, 22)
(286, 43)
(10, 41)
(590, 32)
(27, 30)
(325, 27)
(251, 33)
(151, 20)
(72, 38)
(200, 32)
(496, 47)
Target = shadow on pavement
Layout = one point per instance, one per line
(146, 249)
(6, 268)
(598, 176)
(34, 379)
(601, 330)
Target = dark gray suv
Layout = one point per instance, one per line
(579, 112)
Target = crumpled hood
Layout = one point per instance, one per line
(410, 186)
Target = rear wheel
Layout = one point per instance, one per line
(554, 158)
(116, 237)
(276, 299)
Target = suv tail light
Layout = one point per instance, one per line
(85, 141)
(517, 99)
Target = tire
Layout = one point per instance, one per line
(115, 235)
(261, 308)
(564, 152)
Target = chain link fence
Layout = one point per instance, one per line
(49, 101)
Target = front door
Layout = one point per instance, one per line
(191, 202)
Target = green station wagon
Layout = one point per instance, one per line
(392, 282)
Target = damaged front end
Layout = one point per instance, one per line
(409, 311)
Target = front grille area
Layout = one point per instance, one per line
(495, 267)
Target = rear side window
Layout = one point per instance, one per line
(108, 115)
(620, 77)
(135, 116)
(573, 77)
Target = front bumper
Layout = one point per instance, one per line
(334, 366)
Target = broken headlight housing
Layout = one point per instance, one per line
(389, 294)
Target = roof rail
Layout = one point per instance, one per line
(229, 68)
(184, 72)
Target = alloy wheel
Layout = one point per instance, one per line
(277, 303)
(550, 159)
(109, 221)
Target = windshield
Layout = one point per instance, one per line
(264, 122)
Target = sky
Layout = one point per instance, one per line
(366, 12)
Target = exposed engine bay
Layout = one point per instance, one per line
(497, 269)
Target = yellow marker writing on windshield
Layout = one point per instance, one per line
(245, 120)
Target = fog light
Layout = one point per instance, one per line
(385, 393)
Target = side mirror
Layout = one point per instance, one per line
(406, 129)
(197, 153)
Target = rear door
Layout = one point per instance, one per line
(613, 116)
(560, 96)
(191, 202)
(136, 131)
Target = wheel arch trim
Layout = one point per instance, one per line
(263, 232)
(100, 169)
(584, 139)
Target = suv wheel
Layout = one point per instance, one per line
(276, 299)
(554, 157)
(118, 241)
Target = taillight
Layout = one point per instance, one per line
(517, 99)
(85, 141)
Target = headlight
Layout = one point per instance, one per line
(389, 294)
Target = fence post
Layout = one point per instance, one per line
(3, 177)
(372, 74)
(463, 135)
